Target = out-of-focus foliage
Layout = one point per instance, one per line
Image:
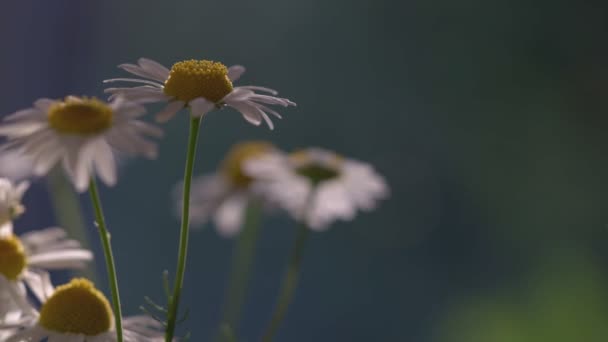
(563, 300)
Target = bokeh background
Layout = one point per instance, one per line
(487, 118)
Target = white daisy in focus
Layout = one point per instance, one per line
(338, 186)
(10, 204)
(27, 259)
(78, 312)
(14, 165)
(201, 85)
(82, 133)
(223, 196)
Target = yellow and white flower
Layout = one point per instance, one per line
(201, 85)
(78, 312)
(82, 133)
(223, 196)
(317, 186)
(10, 203)
(27, 259)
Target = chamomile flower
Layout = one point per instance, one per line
(78, 312)
(83, 133)
(10, 204)
(26, 259)
(224, 195)
(201, 85)
(338, 186)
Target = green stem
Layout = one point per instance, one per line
(104, 235)
(68, 214)
(240, 273)
(288, 286)
(183, 239)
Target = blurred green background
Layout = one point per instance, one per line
(488, 119)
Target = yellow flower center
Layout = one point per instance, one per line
(80, 116)
(12, 257)
(232, 166)
(191, 79)
(316, 169)
(77, 308)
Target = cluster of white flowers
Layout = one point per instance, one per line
(65, 313)
(86, 135)
(315, 186)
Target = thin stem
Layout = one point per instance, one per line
(183, 239)
(240, 273)
(288, 286)
(104, 235)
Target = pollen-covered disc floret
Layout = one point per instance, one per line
(317, 186)
(80, 116)
(191, 79)
(201, 85)
(12, 257)
(78, 308)
(82, 134)
(223, 196)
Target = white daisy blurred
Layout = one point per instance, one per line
(201, 85)
(82, 133)
(10, 204)
(339, 186)
(26, 260)
(14, 165)
(78, 312)
(223, 196)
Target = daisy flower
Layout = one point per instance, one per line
(78, 312)
(338, 186)
(201, 85)
(26, 260)
(83, 133)
(224, 195)
(10, 204)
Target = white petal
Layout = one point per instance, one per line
(200, 106)
(229, 215)
(19, 129)
(61, 259)
(169, 111)
(154, 68)
(25, 114)
(44, 104)
(235, 72)
(105, 163)
(248, 112)
(134, 80)
(140, 71)
(264, 89)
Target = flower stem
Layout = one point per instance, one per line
(183, 239)
(288, 286)
(104, 235)
(240, 273)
